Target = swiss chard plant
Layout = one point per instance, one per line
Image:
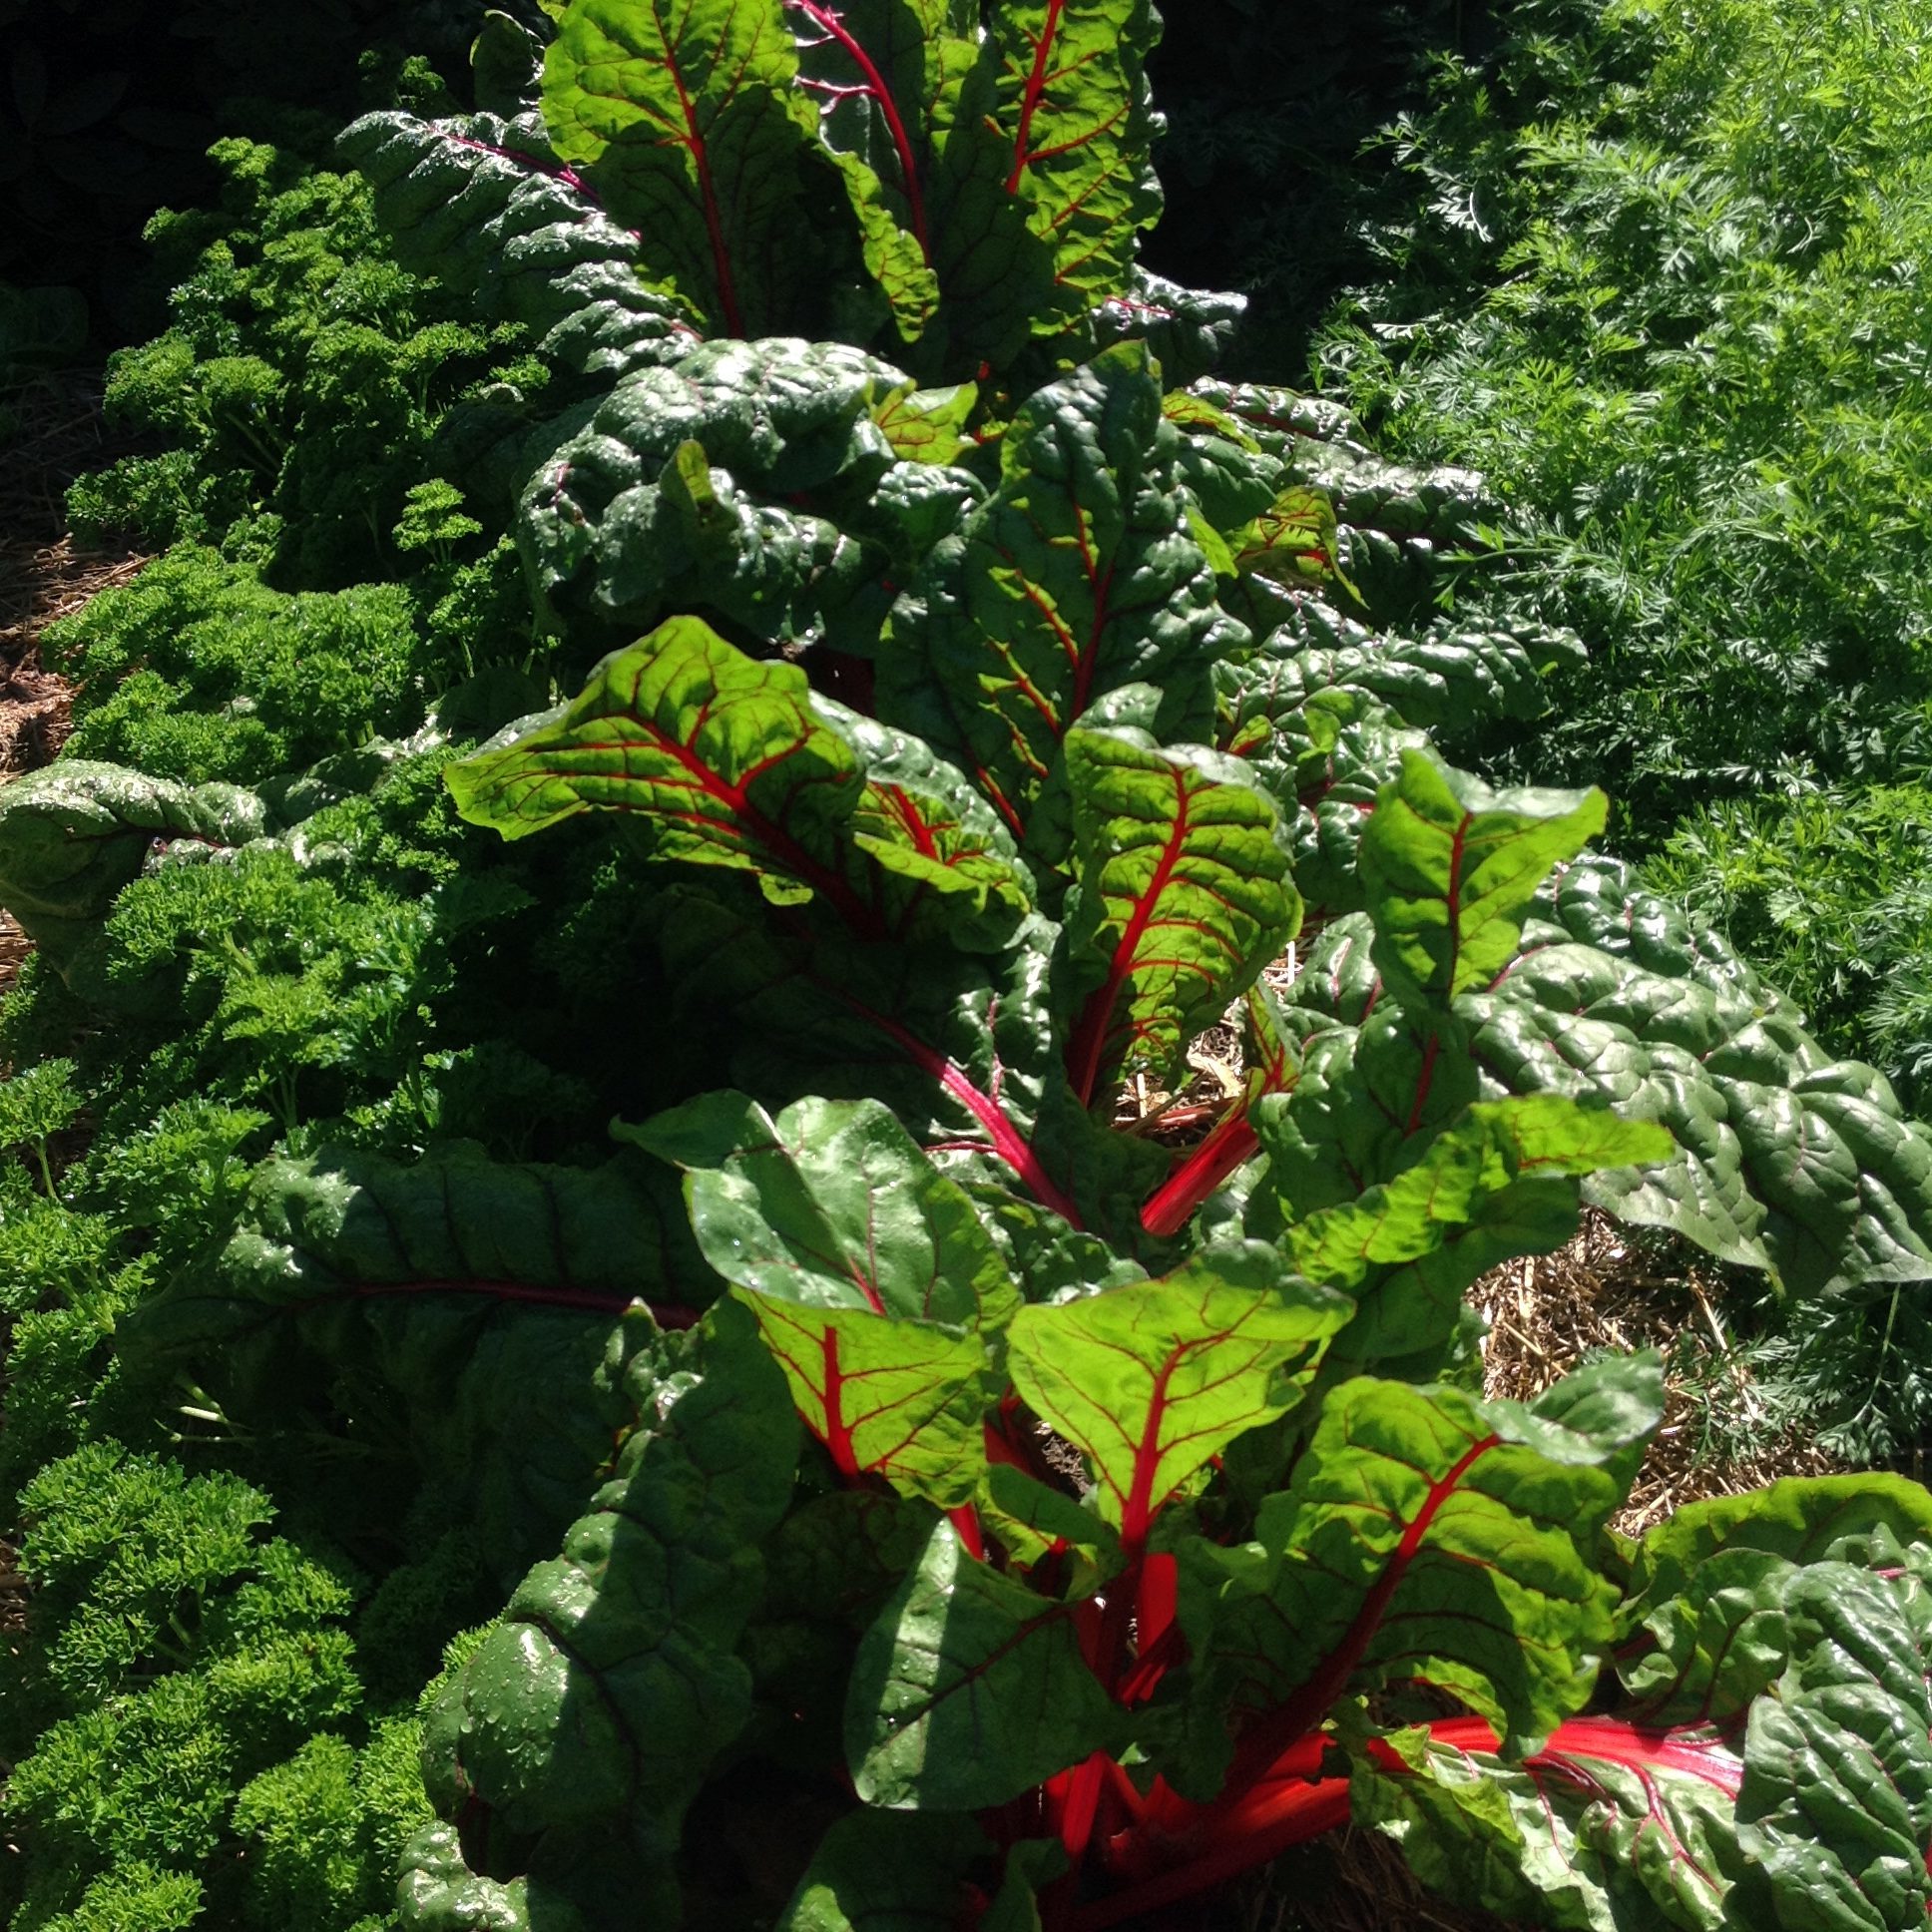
(1019, 1468)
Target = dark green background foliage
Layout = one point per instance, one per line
(1656, 272)
(329, 593)
(107, 109)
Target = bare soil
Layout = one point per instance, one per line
(58, 435)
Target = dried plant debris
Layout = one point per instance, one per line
(1612, 1291)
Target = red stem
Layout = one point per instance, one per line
(1172, 1206)
(1286, 1814)
(965, 1522)
(828, 22)
(1036, 87)
(1009, 1142)
(1294, 1803)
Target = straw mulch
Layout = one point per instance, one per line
(1610, 1292)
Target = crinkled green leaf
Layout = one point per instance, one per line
(1079, 576)
(437, 1892)
(1788, 1162)
(1498, 1181)
(1450, 869)
(1799, 1519)
(465, 1292)
(1153, 1380)
(969, 1690)
(1602, 1831)
(1189, 329)
(1073, 107)
(679, 487)
(686, 119)
(1366, 1102)
(74, 833)
(1325, 762)
(1427, 1534)
(1183, 897)
(1713, 1645)
(1835, 1814)
(833, 1206)
(1230, 478)
(586, 1720)
(481, 205)
(1445, 676)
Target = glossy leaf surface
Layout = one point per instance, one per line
(1183, 897)
(1079, 576)
(1153, 1380)
(586, 1718)
(1450, 869)
(684, 115)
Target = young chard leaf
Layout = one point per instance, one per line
(1072, 105)
(901, 1399)
(882, 72)
(1450, 869)
(1293, 541)
(1183, 897)
(716, 759)
(684, 115)
(927, 425)
(1077, 577)
(1153, 1380)
(954, 864)
(864, 1264)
